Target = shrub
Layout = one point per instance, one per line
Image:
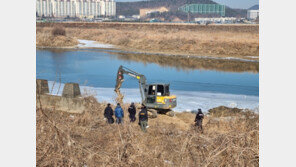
(58, 31)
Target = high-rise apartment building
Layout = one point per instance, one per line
(75, 8)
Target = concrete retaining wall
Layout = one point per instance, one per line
(71, 90)
(71, 100)
(42, 86)
(71, 105)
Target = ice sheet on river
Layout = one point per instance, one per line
(186, 100)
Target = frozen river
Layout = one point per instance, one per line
(95, 70)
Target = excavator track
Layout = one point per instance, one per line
(170, 113)
(153, 113)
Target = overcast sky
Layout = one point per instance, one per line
(242, 4)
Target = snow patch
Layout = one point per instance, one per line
(92, 44)
(253, 57)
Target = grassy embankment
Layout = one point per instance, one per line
(238, 41)
(65, 139)
(55, 37)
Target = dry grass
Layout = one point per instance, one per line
(76, 140)
(58, 30)
(55, 37)
(214, 41)
(55, 41)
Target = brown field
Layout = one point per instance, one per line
(213, 40)
(65, 139)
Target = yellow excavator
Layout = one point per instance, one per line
(156, 96)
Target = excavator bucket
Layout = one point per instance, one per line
(119, 80)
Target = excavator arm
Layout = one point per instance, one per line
(120, 78)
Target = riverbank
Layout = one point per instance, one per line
(194, 40)
(192, 62)
(65, 139)
(50, 41)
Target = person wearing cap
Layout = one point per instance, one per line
(198, 119)
(143, 118)
(132, 112)
(119, 114)
(108, 114)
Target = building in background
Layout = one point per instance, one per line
(136, 16)
(75, 8)
(220, 20)
(203, 9)
(252, 14)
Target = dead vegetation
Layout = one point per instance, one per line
(222, 41)
(56, 37)
(55, 41)
(223, 111)
(86, 140)
(58, 30)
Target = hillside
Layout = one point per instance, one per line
(255, 7)
(132, 8)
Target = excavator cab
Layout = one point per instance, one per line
(158, 96)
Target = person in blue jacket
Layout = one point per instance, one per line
(119, 114)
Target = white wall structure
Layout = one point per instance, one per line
(218, 19)
(252, 14)
(75, 8)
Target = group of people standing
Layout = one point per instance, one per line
(119, 115)
(143, 116)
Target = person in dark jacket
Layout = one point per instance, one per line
(108, 114)
(143, 118)
(132, 112)
(119, 114)
(198, 119)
